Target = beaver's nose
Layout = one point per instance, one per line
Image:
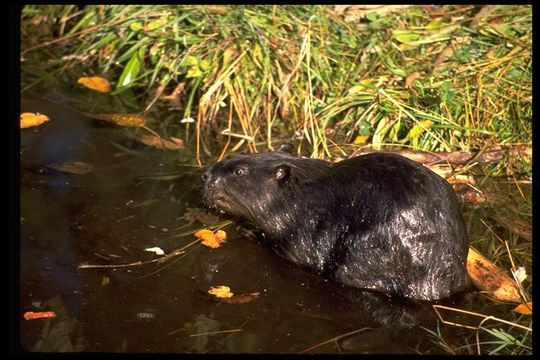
(205, 177)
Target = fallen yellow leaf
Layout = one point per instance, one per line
(222, 292)
(525, 308)
(204, 233)
(95, 83)
(210, 238)
(221, 235)
(31, 315)
(410, 79)
(360, 139)
(157, 142)
(242, 298)
(489, 278)
(419, 129)
(31, 119)
(74, 167)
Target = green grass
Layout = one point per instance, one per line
(266, 74)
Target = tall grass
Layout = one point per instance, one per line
(431, 78)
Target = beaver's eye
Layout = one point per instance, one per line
(238, 172)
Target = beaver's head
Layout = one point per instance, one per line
(249, 187)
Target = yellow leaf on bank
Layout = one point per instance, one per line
(525, 308)
(31, 119)
(222, 292)
(360, 139)
(228, 54)
(411, 78)
(419, 129)
(210, 238)
(95, 83)
(489, 278)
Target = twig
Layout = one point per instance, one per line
(216, 332)
(137, 263)
(486, 317)
(334, 339)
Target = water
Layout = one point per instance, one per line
(135, 198)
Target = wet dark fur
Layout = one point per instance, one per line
(378, 221)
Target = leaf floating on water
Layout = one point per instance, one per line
(105, 280)
(95, 83)
(210, 238)
(156, 250)
(121, 119)
(488, 277)
(177, 141)
(30, 315)
(221, 292)
(224, 292)
(159, 143)
(242, 298)
(30, 119)
(201, 234)
(75, 167)
(524, 309)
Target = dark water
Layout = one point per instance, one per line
(134, 198)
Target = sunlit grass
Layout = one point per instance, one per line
(305, 74)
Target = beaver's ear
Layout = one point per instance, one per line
(286, 148)
(282, 173)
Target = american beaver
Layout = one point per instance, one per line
(378, 221)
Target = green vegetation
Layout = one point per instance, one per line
(432, 78)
